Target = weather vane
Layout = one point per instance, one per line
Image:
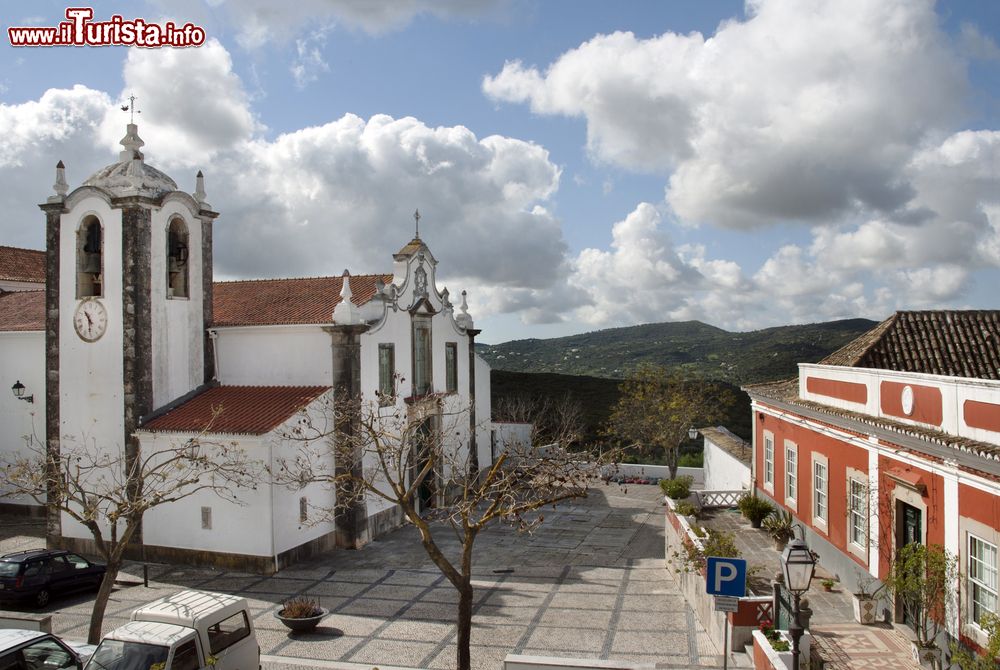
(130, 108)
(416, 219)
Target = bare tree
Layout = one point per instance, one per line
(658, 406)
(108, 491)
(416, 458)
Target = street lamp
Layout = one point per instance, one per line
(18, 390)
(797, 565)
(692, 433)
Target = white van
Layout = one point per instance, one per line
(190, 630)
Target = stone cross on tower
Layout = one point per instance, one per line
(416, 220)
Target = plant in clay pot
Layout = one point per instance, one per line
(301, 613)
(866, 599)
(780, 526)
(754, 509)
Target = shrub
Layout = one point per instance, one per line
(677, 488)
(721, 544)
(692, 460)
(780, 525)
(300, 607)
(686, 509)
(754, 509)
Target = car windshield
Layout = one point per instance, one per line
(118, 655)
(8, 569)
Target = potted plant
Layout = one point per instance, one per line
(780, 527)
(828, 584)
(301, 614)
(754, 509)
(677, 489)
(865, 600)
(687, 510)
(920, 580)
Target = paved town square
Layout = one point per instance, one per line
(590, 582)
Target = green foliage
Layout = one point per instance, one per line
(697, 348)
(716, 543)
(721, 544)
(753, 508)
(985, 659)
(677, 488)
(780, 645)
(921, 578)
(780, 525)
(694, 459)
(657, 407)
(685, 509)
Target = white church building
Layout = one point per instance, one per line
(129, 342)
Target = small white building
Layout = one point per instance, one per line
(726, 461)
(133, 343)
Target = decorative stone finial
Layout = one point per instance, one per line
(132, 143)
(416, 221)
(199, 189)
(445, 298)
(61, 187)
(464, 319)
(346, 312)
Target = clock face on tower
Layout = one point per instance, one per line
(90, 320)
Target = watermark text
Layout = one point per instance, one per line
(80, 30)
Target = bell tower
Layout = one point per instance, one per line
(128, 300)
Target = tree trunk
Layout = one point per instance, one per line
(101, 603)
(672, 457)
(464, 638)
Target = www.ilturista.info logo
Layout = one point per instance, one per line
(79, 31)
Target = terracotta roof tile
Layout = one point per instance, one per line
(22, 311)
(952, 343)
(259, 302)
(735, 446)
(245, 410)
(22, 265)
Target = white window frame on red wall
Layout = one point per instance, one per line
(857, 518)
(769, 462)
(821, 521)
(791, 475)
(987, 582)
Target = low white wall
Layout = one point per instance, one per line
(723, 471)
(521, 662)
(662, 472)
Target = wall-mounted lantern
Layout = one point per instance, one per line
(18, 390)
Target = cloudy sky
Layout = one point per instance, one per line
(577, 164)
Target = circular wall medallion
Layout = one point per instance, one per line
(907, 400)
(90, 320)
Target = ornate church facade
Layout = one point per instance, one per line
(131, 343)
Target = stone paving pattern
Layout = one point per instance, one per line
(590, 582)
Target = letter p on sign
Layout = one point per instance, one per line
(726, 576)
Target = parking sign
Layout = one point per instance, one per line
(726, 576)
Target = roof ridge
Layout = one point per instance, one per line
(264, 279)
(9, 246)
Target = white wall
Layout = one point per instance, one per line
(484, 411)
(91, 407)
(723, 471)
(22, 357)
(178, 323)
(274, 356)
(508, 435)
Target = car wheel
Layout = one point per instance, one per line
(42, 598)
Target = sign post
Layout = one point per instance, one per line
(726, 579)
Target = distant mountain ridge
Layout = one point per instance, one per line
(707, 351)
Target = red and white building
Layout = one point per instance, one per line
(893, 439)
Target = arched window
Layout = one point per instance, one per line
(89, 259)
(177, 259)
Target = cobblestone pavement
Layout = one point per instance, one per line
(590, 582)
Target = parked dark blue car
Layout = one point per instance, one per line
(39, 574)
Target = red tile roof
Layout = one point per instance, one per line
(22, 311)
(946, 342)
(244, 410)
(260, 302)
(26, 265)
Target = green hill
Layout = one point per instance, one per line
(705, 350)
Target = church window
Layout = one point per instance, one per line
(422, 379)
(177, 259)
(451, 366)
(303, 509)
(90, 259)
(206, 518)
(386, 372)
